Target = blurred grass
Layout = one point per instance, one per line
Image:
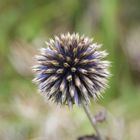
(108, 21)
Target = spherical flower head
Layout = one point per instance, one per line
(71, 69)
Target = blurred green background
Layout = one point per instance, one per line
(25, 25)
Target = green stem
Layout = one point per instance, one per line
(91, 119)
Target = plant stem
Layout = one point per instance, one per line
(91, 119)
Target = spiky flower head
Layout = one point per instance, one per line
(71, 69)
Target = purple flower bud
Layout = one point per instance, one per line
(71, 69)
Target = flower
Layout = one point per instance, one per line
(71, 69)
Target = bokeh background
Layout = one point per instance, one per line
(25, 25)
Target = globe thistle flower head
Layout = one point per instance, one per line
(71, 69)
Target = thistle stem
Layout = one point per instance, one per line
(91, 119)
